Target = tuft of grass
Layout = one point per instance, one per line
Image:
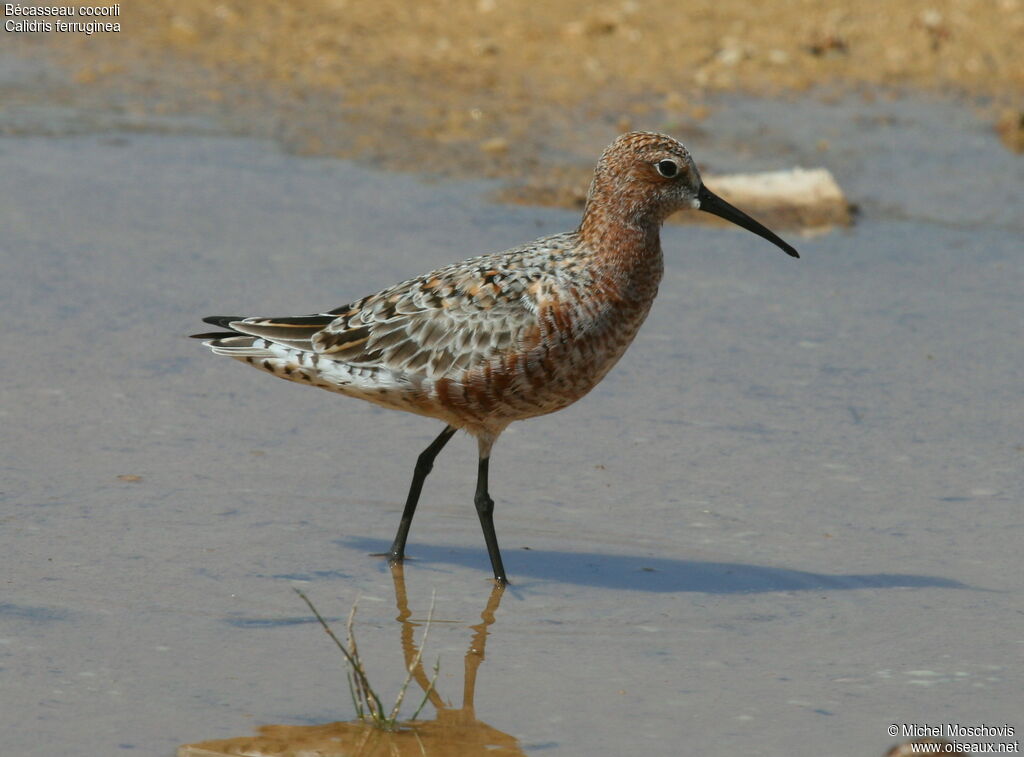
(365, 700)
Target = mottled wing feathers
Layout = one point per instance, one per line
(451, 319)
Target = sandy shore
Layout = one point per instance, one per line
(481, 88)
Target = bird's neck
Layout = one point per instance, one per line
(623, 232)
(625, 251)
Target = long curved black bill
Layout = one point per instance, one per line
(712, 203)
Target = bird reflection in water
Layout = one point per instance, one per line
(455, 732)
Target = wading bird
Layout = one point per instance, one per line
(501, 337)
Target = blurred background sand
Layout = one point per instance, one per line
(530, 92)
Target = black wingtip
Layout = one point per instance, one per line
(224, 321)
(214, 335)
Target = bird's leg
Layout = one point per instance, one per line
(424, 464)
(485, 509)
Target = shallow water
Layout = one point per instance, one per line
(789, 518)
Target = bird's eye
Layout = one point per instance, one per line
(667, 168)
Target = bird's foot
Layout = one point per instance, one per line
(394, 558)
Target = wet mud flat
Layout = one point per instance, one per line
(788, 519)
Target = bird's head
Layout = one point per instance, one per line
(644, 177)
